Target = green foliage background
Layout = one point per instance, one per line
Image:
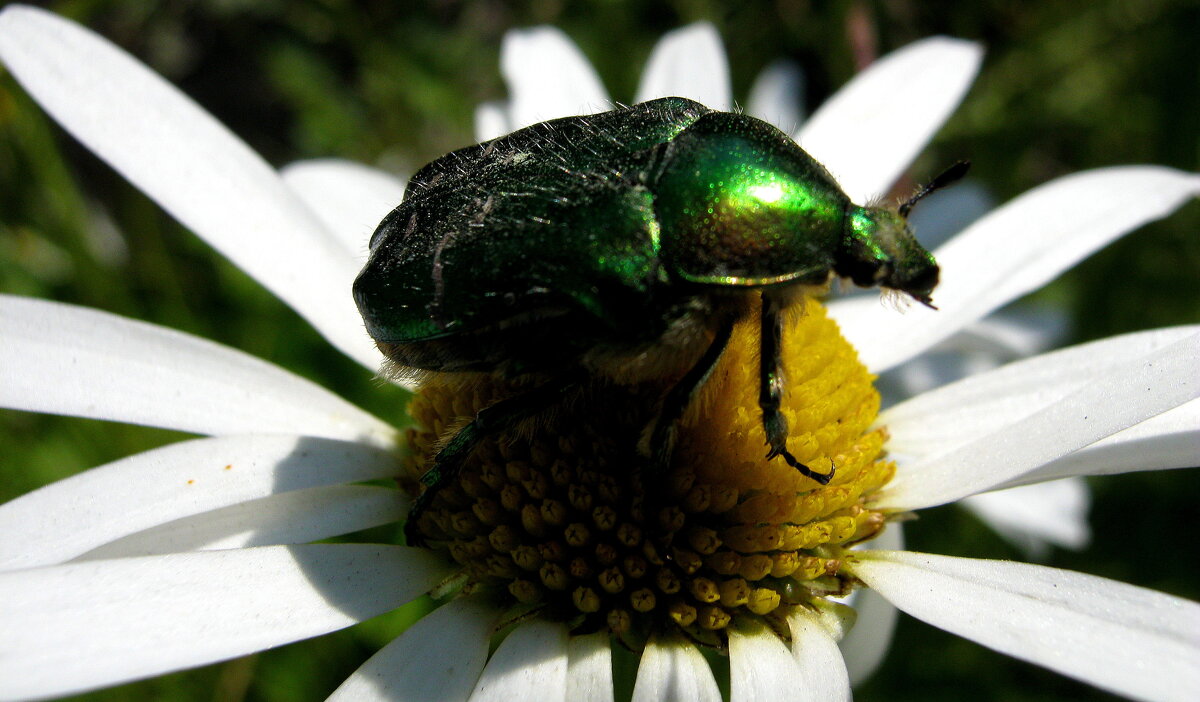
(1065, 86)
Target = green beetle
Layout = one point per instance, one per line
(623, 244)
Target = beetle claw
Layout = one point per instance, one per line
(822, 478)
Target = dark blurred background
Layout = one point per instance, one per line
(1064, 87)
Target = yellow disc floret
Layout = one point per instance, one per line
(564, 512)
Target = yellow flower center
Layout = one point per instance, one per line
(564, 513)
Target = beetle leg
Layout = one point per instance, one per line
(680, 396)
(770, 389)
(662, 438)
(447, 465)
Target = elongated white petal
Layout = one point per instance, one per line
(80, 626)
(866, 644)
(1016, 249)
(349, 198)
(547, 77)
(871, 129)
(491, 121)
(438, 658)
(73, 516)
(295, 517)
(1137, 390)
(531, 664)
(815, 647)
(77, 361)
(1035, 516)
(589, 668)
(945, 213)
(674, 671)
(984, 345)
(777, 95)
(944, 419)
(762, 669)
(941, 421)
(1124, 639)
(1170, 440)
(1011, 336)
(190, 164)
(688, 62)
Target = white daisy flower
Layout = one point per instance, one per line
(200, 551)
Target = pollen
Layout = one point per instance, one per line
(564, 513)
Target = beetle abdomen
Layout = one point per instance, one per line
(550, 221)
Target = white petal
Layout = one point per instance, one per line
(190, 164)
(296, 517)
(491, 121)
(815, 638)
(80, 626)
(761, 668)
(438, 658)
(73, 516)
(1135, 391)
(349, 198)
(947, 212)
(870, 130)
(688, 62)
(1035, 516)
(548, 76)
(1016, 249)
(531, 664)
(1012, 336)
(944, 419)
(981, 347)
(674, 671)
(866, 644)
(1170, 440)
(1124, 639)
(589, 668)
(777, 95)
(77, 361)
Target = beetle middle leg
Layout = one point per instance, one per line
(770, 389)
(679, 397)
(448, 463)
(675, 403)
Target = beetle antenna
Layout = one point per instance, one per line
(946, 178)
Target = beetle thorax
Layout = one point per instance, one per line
(739, 204)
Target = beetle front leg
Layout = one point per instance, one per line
(770, 389)
(448, 464)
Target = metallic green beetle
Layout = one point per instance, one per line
(623, 244)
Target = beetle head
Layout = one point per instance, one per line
(878, 248)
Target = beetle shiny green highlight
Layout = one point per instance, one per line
(622, 245)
